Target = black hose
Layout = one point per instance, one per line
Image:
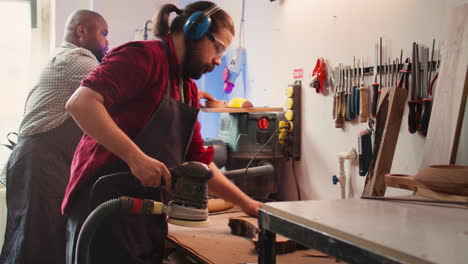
(95, 218)
(90, 226)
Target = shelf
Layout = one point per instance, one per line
(242, 110)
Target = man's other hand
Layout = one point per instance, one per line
(251, 207)
(205, 95)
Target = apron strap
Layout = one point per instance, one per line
(166, 49)
(181, 81)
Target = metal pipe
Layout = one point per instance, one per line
(342, 156)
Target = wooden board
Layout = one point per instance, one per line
(395, 99)
(441, 196)
(450, 95)
(450, 179)
(409, 182)
(242, 110)
(247, 226)
(215, 244)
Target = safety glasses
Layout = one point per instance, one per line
(218, 44)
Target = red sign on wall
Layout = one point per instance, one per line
(298, 73)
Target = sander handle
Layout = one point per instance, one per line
(125, 183)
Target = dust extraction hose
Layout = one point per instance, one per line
(265, 169)
(123, 204)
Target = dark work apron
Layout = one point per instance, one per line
(133, 238)
(37, 175)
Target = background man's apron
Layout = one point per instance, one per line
(138, 239)
(37, 175)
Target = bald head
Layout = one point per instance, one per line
(87, 29)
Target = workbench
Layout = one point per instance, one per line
(368, 231)
(216, 244)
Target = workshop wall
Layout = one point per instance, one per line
(62, 10)
(284, 35)
(123, 17)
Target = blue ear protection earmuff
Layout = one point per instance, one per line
(198, 24)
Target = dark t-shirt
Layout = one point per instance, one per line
(132, 79)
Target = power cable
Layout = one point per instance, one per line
(295, 180)
(261, 148)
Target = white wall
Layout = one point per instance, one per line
(284, 35)
(288, 34)
(60, 13)
(125, 16)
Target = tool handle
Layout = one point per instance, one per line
(335, 103)
(426, 115)
(344, 107)
(356, 100)
(365, 151)
(375, 99)
(364, 105)
(350, 106)
(339, 121)
(419, 106)
(413, 115)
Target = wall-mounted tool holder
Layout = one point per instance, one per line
(387, 73)
(290, 129)
(387, 68)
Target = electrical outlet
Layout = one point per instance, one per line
(289, 136)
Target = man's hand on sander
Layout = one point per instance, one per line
(150, 171)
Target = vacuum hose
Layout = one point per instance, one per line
(119, 205)
(265, 169)
(189, 192)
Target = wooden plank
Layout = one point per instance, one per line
(381, 116)
(450, 96)
(409, 182)
(419, 199)
(247, 226)
(242, 110)
(441, 196)
(375, 181)
(215, 244)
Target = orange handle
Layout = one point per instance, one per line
(335, 102)
(364, 104)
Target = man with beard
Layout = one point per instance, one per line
(142, 100)
(39, 166)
